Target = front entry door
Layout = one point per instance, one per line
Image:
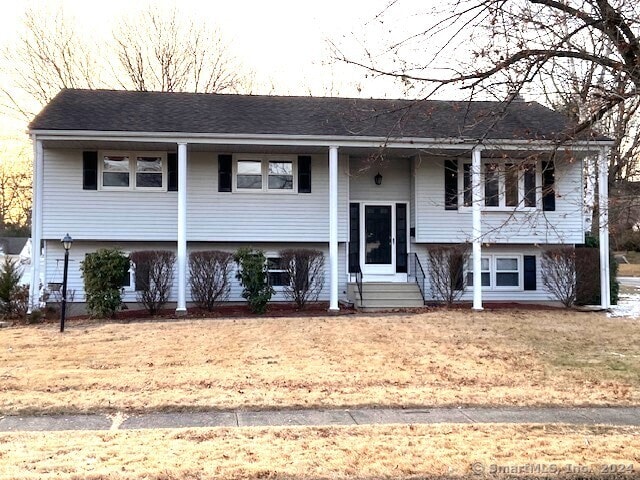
(377, 249)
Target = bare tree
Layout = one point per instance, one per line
(515, 45)
(48, 56)
(15, 190)
(162, 51)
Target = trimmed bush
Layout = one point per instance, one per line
(559, 273)
(305, 269)
(209, 277)
(446, 265)
(154, 277)
(252, 274)
(102, 272)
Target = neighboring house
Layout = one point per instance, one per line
(18, 250)
(371, 183)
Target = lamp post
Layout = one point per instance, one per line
(66, 243)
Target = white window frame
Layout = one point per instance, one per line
(502, 207)
(133, 155)
(264, 165)
(493, 272)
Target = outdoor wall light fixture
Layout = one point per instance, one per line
(378, 179)
(66, 243)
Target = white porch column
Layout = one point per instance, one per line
(603, 224)
(476, 198)
(36, 224)
(333, 229)
(182, 229)
(589, 192)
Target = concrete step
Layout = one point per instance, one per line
(380, 295)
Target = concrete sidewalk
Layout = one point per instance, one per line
(620, 416)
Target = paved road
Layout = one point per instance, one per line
(364, 416)
(629, 281)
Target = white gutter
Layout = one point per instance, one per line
(311, 140)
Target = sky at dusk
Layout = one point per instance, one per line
(283, 42)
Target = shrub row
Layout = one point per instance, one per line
(103, 273)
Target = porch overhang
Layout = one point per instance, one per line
(306, 143)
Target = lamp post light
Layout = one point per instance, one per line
(66, 243)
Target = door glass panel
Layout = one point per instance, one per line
(378, 234)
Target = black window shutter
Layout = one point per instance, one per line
(304, 174)
(451, 184)
(458, 277)
(354, 237)
(172, 172)
(401, 238)
(224, 173)
(142, 277)
(548, 187)
(89, 170)
(530, 272)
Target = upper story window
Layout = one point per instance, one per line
(265, 174)
(133, 171)
(504, 185)
(115, 171)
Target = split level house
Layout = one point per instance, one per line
(372, 183)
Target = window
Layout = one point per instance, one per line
(115, 171)
(499, 272)
(276, 273)
(133, 171)
(149, 172)
(280, 175)
(486, 273)
(249, 175)
(505, 185)
(265, 174)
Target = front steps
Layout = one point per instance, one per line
(385, 295)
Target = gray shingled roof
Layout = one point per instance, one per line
(109, 110)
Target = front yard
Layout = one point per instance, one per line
(304, 453)
(444, 357)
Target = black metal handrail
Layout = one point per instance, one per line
(418, 274)
(354, 268)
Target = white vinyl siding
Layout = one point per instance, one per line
(55, 256)
(434, 224)
(508, 294)
(395, 186)
(211, 215)
(101, 214)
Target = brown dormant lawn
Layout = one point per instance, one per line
(438, 358)
(384, 451)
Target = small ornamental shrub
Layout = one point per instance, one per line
(559, 273)
(252, 274)
(154, 277)
(446, 264)
(209, 277)
(102, 272)
(10, 274)
(305, 270)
